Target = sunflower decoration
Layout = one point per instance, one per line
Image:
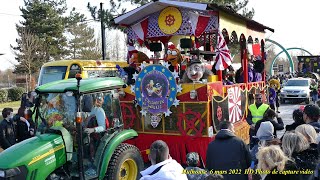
(174, 55)
(55, 119)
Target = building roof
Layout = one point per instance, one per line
(137, 14)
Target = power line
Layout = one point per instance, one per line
(7, 14)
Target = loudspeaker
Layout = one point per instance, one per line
(185, 43)
(155, 47)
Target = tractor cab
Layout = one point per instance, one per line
(79, 135)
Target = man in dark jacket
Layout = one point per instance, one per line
(311, 114)
(7, 130)
(228, 152)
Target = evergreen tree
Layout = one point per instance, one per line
(83, 44)
(44, 19)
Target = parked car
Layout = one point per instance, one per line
(296, 88)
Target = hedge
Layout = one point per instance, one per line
(15, 93)
(3, 95)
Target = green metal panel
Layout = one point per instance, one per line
(275, 58)
(112, 145)
(86, 85)
(44, 153)
(283, 49)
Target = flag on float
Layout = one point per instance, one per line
(198, 22)
(141, 29)
(223, 56)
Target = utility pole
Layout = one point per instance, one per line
(103, 32)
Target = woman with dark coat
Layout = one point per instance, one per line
(297, 116)
(297, 148)
(25, 125)
(270, 115)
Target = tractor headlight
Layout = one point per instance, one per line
(10, 172)
(2, 174)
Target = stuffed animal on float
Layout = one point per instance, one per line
(195, 72)
(136, 58)
(174, 57)
(274, 86)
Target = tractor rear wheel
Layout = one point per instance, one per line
(125, 163)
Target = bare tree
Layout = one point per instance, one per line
(29, 53)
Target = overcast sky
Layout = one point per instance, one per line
(294, 22)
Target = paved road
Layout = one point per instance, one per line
(286, 114)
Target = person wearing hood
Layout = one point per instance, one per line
(7, 129)
(163, 166)
(266, 138)
(228, 152)
(270, 115)
(311, 114)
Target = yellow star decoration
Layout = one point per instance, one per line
(145, 71)
(137, 89)
(170, 99)
(170, 78)
(139, 99)
(163, 70)
(173, 89)
(154, 68)
(139, 79)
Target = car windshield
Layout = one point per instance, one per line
(297, 83)
(52, 73)
(57, 109)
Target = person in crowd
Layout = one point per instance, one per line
(7, 129)
(296, 147)
(163, 167)
(314, 90)
(192, 162)
(25, 125)
(277, 100)
(266, 138)
(297, 117)
(227, 152)
(255, 114)
(270, 115)
(214, 177)
(309, 133)
(272, 159)
(311, 114)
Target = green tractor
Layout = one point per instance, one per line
(62, 148)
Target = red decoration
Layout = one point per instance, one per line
(130, 117)
(199, 23)
(190, 123)
(223, 57)
(179, 145)
(141, 29)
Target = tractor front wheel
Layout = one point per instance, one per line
(125, 163)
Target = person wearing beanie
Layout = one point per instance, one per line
(311, 114)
